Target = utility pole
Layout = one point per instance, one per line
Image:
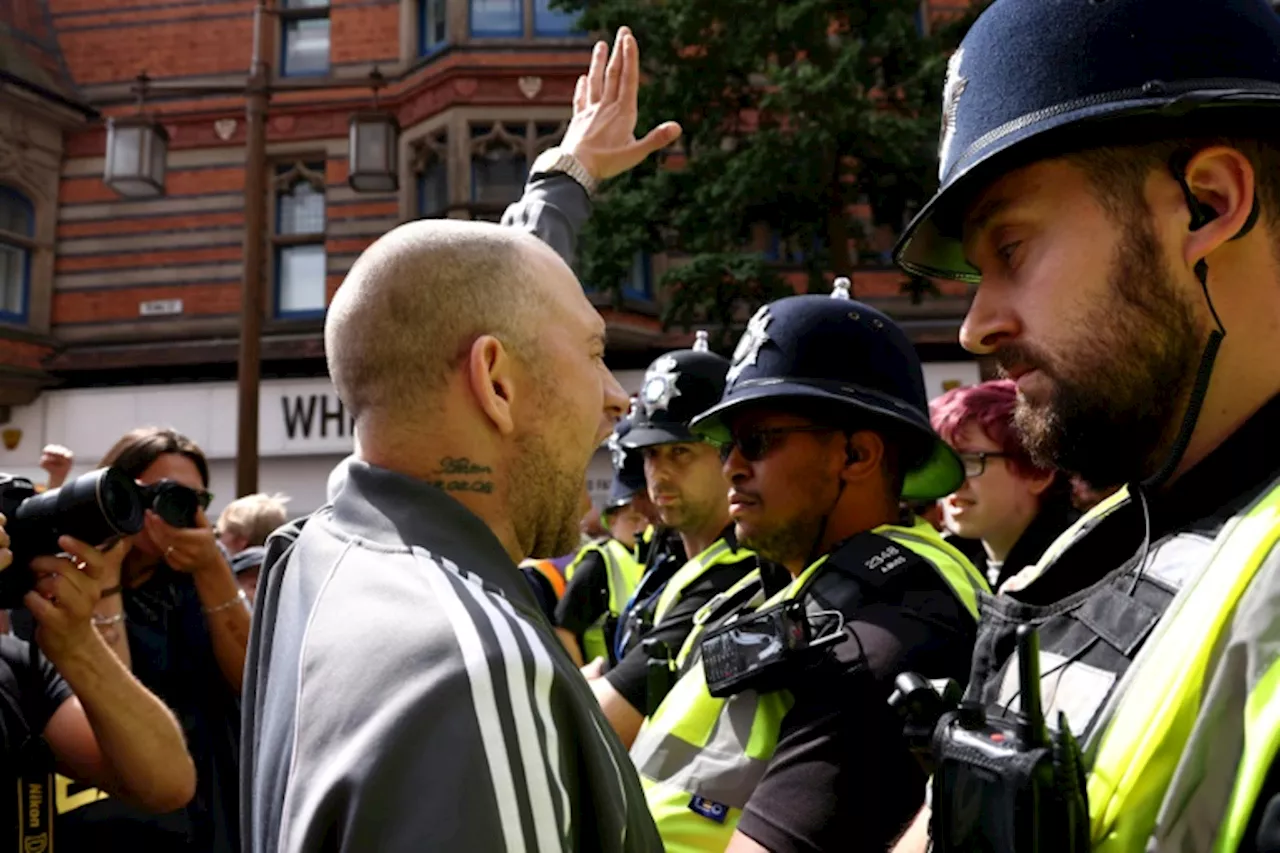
(252, 304)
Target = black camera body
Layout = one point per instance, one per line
(176, 504)
(97, 508)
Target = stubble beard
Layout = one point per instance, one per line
(787, 541)
(1117, 399)
(546, 496)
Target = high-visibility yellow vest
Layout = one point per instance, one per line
(622, 573)
(643, 617)
(1180, 751)
(700, 758)
(1183, 746)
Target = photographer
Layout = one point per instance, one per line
(97, 723)
(174, 614)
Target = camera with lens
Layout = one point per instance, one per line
(97, 508)
(176, 504)
(1001, 783)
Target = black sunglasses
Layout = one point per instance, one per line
(756, 444)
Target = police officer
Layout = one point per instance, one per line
(696, 555)
(826, 425)
(1110, 179)
(604, 573)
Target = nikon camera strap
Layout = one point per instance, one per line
(35, 777)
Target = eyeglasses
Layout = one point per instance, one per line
(975, 464)
(756, 444)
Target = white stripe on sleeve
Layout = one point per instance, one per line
(544, 674)
(488, 715)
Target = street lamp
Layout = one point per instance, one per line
(374, 141)
(135, 167)
(137, 147)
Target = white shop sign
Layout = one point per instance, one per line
(297, 417)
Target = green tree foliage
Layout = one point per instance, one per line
(793, 111)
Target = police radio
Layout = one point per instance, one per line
(764, 650)
(1001, 784)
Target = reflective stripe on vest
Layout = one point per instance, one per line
(701, 758)
(688, 574)
(1083, 526)
(1160, 702)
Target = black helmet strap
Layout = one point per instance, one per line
(1201, 215)
(849, 457)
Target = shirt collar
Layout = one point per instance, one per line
(397, 510)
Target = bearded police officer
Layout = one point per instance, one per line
(605, 572)
(778, 736)
(1111, 183)
(696, 555)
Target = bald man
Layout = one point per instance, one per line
(403, 690)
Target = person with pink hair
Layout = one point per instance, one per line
(1008, 510)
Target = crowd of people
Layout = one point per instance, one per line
(819, 611)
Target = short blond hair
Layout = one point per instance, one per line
(254, 517)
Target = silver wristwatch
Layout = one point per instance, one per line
(558, 160)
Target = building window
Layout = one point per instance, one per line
(792, 251)
(433, 26)
(431, 165)
(500, 156)
(639, 281)
(304, 37)
(17, 230)
(553, 22)
(497, 18)
(299, 240)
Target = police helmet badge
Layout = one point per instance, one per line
(951, 93)
(617, 454)
(660, 385)
(749, 347)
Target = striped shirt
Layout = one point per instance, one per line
(404, 692)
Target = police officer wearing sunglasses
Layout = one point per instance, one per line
(777, 736)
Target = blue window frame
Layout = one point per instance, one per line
(639, 283)
(433, 189)
(553, 22)
(17, 232)
(497, 18)
(300, 260)
(790, 253)
(304, 38)
(433, 26)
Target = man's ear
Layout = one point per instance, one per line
(491, 378)
(864, 456)
(1223, 182)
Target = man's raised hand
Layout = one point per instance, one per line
(602, 134)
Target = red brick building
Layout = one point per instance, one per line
(112, 294)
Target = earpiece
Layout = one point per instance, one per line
(1202, 213)
(851, 454)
